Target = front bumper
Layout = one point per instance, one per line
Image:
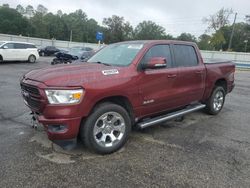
(60, 129)
(62, 122)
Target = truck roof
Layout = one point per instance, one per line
(159, 41)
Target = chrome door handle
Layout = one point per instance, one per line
(199, 72)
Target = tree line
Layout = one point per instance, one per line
(28, 21)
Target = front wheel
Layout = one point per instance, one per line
(107, 129)
(216, 101)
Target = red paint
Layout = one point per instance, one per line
(163, 89)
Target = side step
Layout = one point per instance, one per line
(170, 116)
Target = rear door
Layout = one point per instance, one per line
(21, 51)
(157, 86)
(191, 77)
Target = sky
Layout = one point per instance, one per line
(176, 16)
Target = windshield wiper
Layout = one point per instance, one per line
(99, 62)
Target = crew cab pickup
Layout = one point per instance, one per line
(135, 83)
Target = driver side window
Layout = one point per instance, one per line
(158, 51)
(9, 45)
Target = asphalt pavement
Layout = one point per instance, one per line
(200, 151)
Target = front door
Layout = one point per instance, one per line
(157, 86)
(9, 52)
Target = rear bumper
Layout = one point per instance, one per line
(60, 129)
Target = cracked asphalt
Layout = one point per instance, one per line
(200, 151)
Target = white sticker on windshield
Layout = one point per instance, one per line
(110, 72)
(135, 46)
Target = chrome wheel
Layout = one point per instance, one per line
(109, 129)
(218, 100)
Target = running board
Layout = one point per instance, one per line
(170, 116)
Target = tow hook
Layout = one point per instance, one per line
(33, 121)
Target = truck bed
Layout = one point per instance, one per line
(215, 61)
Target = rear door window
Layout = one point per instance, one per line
(185, 55)
(19, 46)
(158, 51)
(30, 46)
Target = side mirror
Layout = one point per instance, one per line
(156, 63)
(5, 47)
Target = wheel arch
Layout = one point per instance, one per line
(1, 57)
(209, 90)
(32, 55)
(221, 82)
(119, 100)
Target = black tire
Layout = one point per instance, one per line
(55, 61)
(212, 106)
(32, 59)
(87, 128)
(68, 62)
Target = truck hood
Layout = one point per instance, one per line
(72, 75)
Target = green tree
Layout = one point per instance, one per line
(204, 42)
(148, 30)
(56, 27)
(29, 10)
(241, 34)
(6, 5)
(168, 37)
(116, 29)
(215, 22)
(20, 9)
(39, 26)
(77, 23)
(186, 37)
(218, 40)
(42, 9)
(13, 22)
(59, 13)
(91, 28)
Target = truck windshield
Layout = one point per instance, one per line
(117, 54)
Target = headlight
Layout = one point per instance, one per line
(64, 96)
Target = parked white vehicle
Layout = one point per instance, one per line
(18, 51)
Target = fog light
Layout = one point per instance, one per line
(57, 128)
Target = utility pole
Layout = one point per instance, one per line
(232, 34)
(70, 39)
(245, 41)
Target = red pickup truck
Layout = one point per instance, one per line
(135, 83)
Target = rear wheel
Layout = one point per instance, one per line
(216, 101)
(107, 129)
(32, 59)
